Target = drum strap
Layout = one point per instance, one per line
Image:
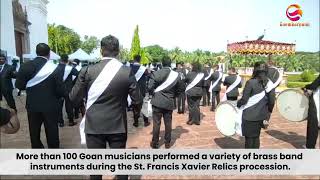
(99, 85)
(216, 82)
(271, 85)
(43, 74)
(140, 72)
(195, 81)
(252, 101)
(170, 80)
(231, 87)
(316, 97)
(211, 72)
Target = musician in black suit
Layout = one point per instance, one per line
(42, 98)
(194, 94)
(163, 101)
(81, 108)
(217, 86)
(68, 82)
(229, 80)
(313, 121)
(182, 97)
(206, 85)
(142, 81)
(106, 119)
(256, 117)
(273, 73)
(7, 72)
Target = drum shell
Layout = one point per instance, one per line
(12, 126)
(293, 105)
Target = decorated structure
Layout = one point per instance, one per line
(261, 47)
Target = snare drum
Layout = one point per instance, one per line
(293, 105)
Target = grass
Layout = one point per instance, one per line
(297, 84)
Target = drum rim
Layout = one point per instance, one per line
(290, 89)
(220, 104)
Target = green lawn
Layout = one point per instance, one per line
(295, 81)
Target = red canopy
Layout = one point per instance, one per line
(261, 47)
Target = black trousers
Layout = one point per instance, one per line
(9, 98)
(136, 114)
(312, 125)
(194, 108)
(69, 109)
(49, 119)
(181, 102)
(157, 114)
(252, 142)
(99, 141)
(60, 118)
(206, 96)
(215, 96)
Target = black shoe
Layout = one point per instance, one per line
(189, 122)
(72, 123)
(154, 146)
(135, 124)
(197, 123)
(61, 124)
(167, 145)
(76, 116)
(212, 109)
(180, 112)
(147, 123)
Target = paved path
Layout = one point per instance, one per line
(281, 134)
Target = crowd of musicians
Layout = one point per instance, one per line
(103, 92)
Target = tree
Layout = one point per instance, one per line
(63, 40)
(135, 45)
(124, 54)
(156, 53)
(145, 57)
(89, 44)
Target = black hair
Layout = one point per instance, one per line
(137, 58)
(76, 61)
(260, 71)
(64, 58)
(166, 61)
(232, 69)
(42, 49)
(196, 66)
(110, 46)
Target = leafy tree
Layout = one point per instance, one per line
(124, 54)
(89, 44)
(135, 45)
(63, 40)
(156, 53)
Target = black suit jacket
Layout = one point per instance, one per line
(230, 80)
(273, 74)
(197, 90)
(164, 99)
(214, 77)
(206, 72)
(43, 97)
(108, 114)
(263, 108)
(6, 75)
(69, 81)
(142, 81)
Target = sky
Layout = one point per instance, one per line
(189, 24)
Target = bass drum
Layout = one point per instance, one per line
(293, 105)
(225, 117)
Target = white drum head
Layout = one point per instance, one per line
(293, 105)
(225, 117)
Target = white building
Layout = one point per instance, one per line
(23, 25)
